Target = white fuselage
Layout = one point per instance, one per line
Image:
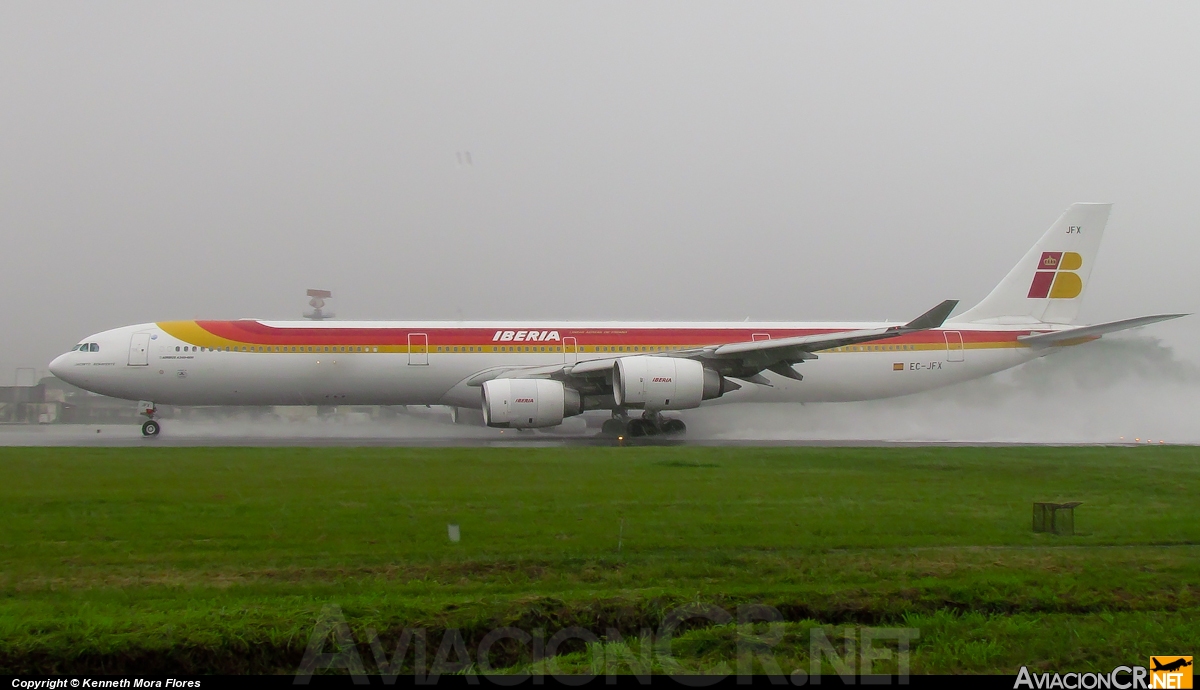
(415, 363)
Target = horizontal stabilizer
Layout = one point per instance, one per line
(1091, 332)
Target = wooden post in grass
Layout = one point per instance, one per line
(1056, 518)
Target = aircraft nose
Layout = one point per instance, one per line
(60, 366)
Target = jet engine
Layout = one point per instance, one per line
(664, 383)
(528, 403)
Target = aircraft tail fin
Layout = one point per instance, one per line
(1048, 284)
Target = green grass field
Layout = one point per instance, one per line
(222, 559)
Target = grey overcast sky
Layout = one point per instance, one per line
(662, 160)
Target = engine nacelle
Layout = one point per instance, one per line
(664, 383)
(528, 403)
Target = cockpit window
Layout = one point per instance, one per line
(94, 347)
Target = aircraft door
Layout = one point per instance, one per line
(570, 350)
(139, 350)
(418, 348)
(954, 346)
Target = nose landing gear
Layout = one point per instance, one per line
(151, 426)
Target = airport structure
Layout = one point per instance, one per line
(54, 401)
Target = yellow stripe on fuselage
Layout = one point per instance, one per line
(192, 333)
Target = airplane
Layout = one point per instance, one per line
(530, 375)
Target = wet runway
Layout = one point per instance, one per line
(188, 434)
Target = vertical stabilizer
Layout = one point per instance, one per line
(1049, 282)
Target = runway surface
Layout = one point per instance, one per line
(410, 435)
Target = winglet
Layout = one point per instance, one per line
(932, 318)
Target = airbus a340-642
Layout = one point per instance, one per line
(533, 375)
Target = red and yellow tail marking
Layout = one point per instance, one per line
(1055, 276)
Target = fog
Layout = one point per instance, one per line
(1125, 388)
(671, 160)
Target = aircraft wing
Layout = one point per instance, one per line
(744, 360)
(1072, 336)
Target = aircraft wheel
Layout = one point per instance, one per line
(674, 426)
(636, 428)
(150, 428)
(613, 428)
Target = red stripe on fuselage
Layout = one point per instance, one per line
(255, 333)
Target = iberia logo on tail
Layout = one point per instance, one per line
(1056, 277)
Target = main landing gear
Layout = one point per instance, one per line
(151, 426)
(649, 424)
